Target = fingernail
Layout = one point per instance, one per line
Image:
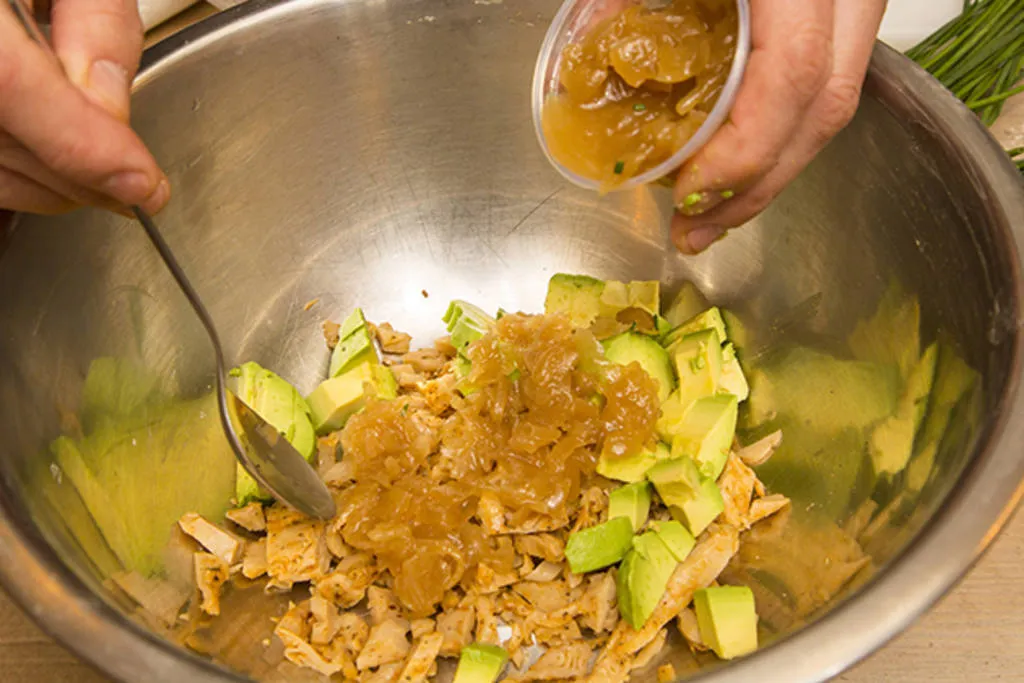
(699, 239)
(161, 195)
(108, 87)
(135, 187)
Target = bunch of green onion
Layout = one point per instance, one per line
(979, 56)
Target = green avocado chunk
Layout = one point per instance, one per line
(631, 468)
(686, 304)
(643, 577)
(732, 379)
(692, 498)
(706, 433)
(631, 347)
(698, 361)
(727, 619)
(599, 546)
(632, 501)
(677, 539)
(355, 345)
(282, 406)
(335, 400)
(577, 296)
(480, 663)
(711, 319)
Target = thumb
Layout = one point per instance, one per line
(99, 42)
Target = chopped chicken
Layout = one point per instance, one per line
(593, 503)
(760, 451)
(686, 622)
(421, 627)
(565, 661)
(527, 564)
(296, 548)
(425, 361)
(666, 673)
(486, 621)
(491, 513)
(406, 376)
(250, 517)
(336, 544)
(545, 571)
(295, 620)
(331, 330)
(326, 622)
(210, 572)
(347, 584)
(421, 658)
(573, 580)
(392, 341)
(555, 629)
(545, 546)
(352, 634)
(444, 347)
(387, 673)
(439, 392)
(489, 581)
(337, 653)
(254, 559)
(339, 474)
(457, 628)
(598, 608)
(737, 487)
(763, 508)
(547, 597)
(301, 653)
(382, 605)
(218, 541)
(387, 643)
(650, 650)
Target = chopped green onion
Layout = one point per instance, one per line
(619, 166)
(639, 106)
(514, 375)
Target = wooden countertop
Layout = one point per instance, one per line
(975, 634)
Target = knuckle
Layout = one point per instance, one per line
(838, 104)
(806, 60)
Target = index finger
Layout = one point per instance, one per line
(790, 61)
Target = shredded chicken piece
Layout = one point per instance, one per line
(545, 546)
(388, 673)
(210, 572)
(406, 376)
(421, 658)
(331, 330)
(593, 504)
(425, 361)
(254, 559)
(457, 628)
(545, 571)
(598, 607)
(703, 565)
(763, 508)
(488, 581)
(737, 487)
(326, 621)
(421, 627)
(760, 451)
(249, 517)
(336, 544)
(340, 474)
(295, 620)
(301, 653)
(392, 341)
(444, 347)
(296, 549)
(387, 643)
(347, 584)
(439, 392)
(650, 651)
(666, 673)
(215, 539)
(382, 605)
(565, 661)
(349, 641)
(491, 513)
(546, 597)
(486, 621)
(686, 622)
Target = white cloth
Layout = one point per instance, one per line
(908, 22)
(155, 12)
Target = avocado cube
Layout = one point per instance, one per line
(599, 546)
(727, 618)
(631, 468)
(644, 294)
(677, 539)
(670, 415)
(706, 433)
(480, 663)
(355, 345)
(692, 498)
(466, 323)
(614, 298)
(338, 398)
(643, 576)
(283, 407)
(711, 319)
(632, 501)
(631, 347)
(698, 361)
(577, 296)
(687, 303)
(732, 380)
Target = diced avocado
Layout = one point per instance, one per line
(466, 323)
(614, 298)
(631, 468)
(892, 441)
(677, 539)
(691, 498)
(480, 663)
(706, 433)
(632, 501)
(355, 344)
(672, 411)
(283, 407)
(736, 330)
(578, 296)
(711, 319)
(661, 326)
(645, 294)
(599, 546)
(698, 361)
(630, 347)
(732, 379)
(687, 303)
(643, 577)
(727, 619)
(338, 398)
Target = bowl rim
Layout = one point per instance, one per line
(976, 510)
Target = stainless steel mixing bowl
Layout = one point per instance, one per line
(364, 152)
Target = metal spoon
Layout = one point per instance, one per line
(261, 449)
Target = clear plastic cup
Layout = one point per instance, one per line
(574, 18)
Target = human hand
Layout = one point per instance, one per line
(64, 134)
(802, 86)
